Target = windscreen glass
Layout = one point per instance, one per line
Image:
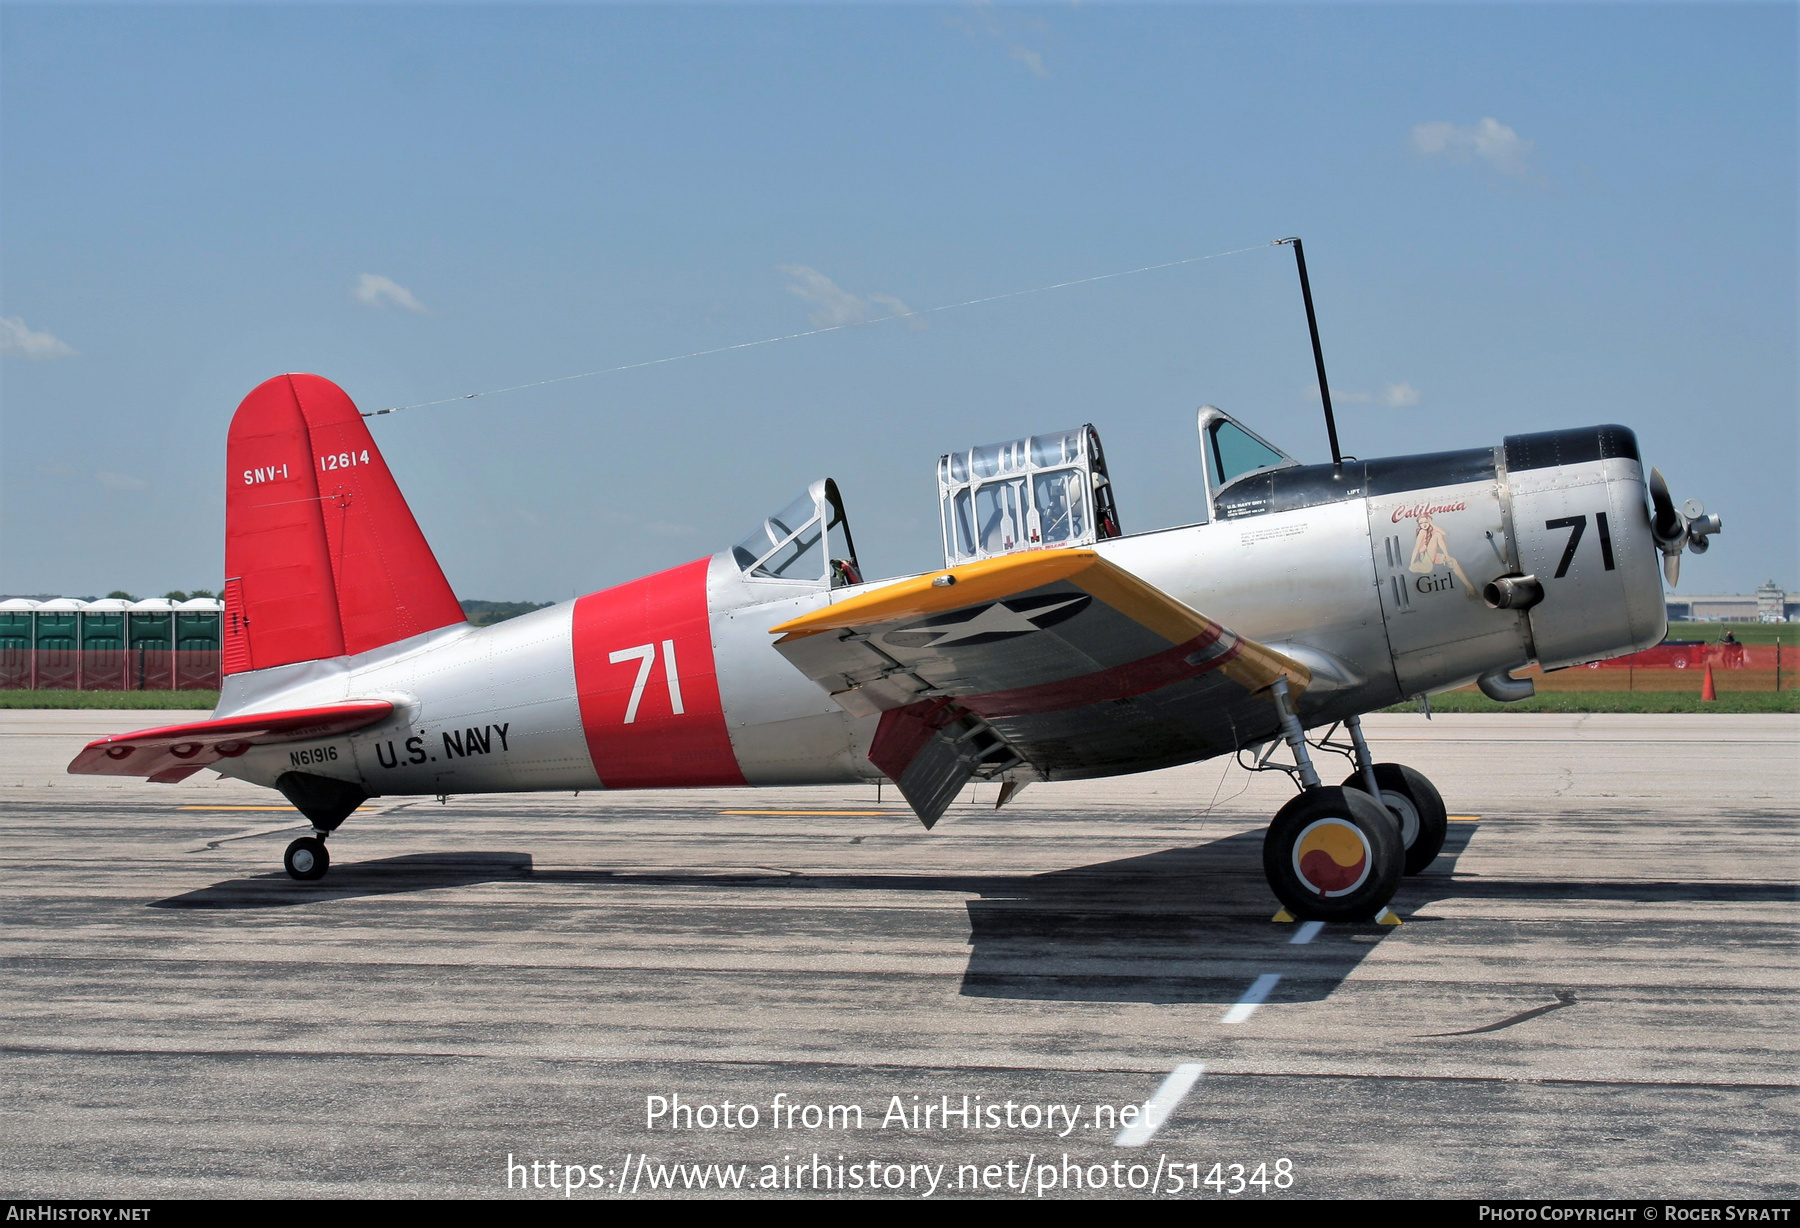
(1235, 453)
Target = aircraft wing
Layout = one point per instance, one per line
(175, 752)
(1053, 660)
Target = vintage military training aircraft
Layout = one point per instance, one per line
(1051, 646)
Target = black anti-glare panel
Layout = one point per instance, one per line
(1393, 475)
(1547, 449)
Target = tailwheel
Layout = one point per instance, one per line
(306, 859)
(1416, 802)
(1333, 854)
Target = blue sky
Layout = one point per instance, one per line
(1517, 217)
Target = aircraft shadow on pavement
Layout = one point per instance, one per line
(1182, 925)
(349, 880)
(1192, 925)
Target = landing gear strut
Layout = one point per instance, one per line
(327, 803)
(1413, 800)
(1333, 853)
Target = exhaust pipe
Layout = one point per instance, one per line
(1513, 592)
(1499, 685)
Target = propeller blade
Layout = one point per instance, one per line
(1672, 568)
(1667, 524)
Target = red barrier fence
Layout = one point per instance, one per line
(147, 668)
(1680, 666)
(1695, 654)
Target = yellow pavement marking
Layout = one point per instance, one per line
(845, 813)
(289, 809)
(1464, 818)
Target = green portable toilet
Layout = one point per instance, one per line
(15, 643)
(197, 626)
(150, 645)
(102, 631)
(56, 650)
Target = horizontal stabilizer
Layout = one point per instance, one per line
(175, 752)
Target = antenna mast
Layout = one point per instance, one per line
(1312, 324)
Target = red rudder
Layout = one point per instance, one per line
(322, 554)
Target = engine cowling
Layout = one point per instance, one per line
(1581, 525)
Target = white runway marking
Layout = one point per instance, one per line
(1306, 933)
(1253, 997)
(1157, 1109)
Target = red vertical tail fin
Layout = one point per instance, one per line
(322, 554)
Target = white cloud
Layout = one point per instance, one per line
(1010, 30)
(1034, 60)
(21, 342)
(1400, 396)
(374, 289)
(1490, 140)
(835, 306)
(897, 308)
(1395, 396)
(120, 481)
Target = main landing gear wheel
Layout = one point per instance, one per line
(306, 859)
(1416, 802)
(1334, 854)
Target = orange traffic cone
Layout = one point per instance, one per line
(1707, 694)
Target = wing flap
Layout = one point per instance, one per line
(930, 751)
(174, 752)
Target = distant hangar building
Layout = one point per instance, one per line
(110, 645)
(1768, 604)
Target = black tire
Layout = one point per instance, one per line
(1418, 805)
(1333, 854)
(306, 859)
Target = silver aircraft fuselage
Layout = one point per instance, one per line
(1371, 574)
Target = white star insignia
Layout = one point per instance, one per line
(997, 619)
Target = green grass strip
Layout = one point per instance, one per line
(1614, 701)
(1764, 634)
(202, 701)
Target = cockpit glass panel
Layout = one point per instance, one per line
(1058, 449)
(1235, 452)
(1062, 509)
(998, 458)
(788, 545)
(1031, 493)
(962, 528)
(1000, 515)
(801, 557)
